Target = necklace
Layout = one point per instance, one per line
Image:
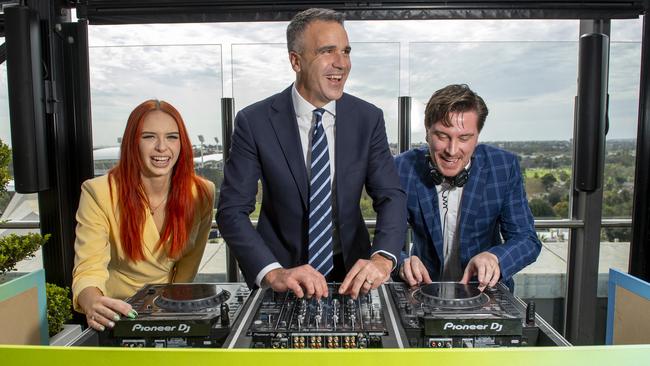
(153, 209)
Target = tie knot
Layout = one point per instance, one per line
(318, 112)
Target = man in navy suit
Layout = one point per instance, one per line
(273, 141)
(466, 202)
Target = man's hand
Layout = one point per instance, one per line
(413, 271)
(486, 266)
(102, 311)
(303, 281)
(366, 275)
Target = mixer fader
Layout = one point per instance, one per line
(282, 320)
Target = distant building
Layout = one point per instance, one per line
(106, 157)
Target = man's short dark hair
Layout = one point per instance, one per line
(454, 98)
(301, 20)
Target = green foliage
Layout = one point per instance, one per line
(14, 248)
(5, 158)
(534, 186)
(614, 234)
(541, 208)
(562, 209)
(564, 175)
(557, 195)
(367, 210)
(548, 180)
(59, 307)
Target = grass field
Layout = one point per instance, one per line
(540, 172)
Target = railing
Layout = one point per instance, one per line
(371, 224)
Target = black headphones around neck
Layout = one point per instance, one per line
(437, 178)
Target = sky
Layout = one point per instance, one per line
(524, 69)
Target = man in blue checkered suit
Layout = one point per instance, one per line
(466, 201)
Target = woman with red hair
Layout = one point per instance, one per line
(146, 221)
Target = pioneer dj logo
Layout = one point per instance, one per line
(494, 326)
(181, 328)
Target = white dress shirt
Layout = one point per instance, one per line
(449, 205)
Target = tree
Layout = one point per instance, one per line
(548, 180)
(556, 195)
(541, 208)
(564, 176)
(562, 209)
(618, 234)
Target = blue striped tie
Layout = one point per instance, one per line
(320, 201)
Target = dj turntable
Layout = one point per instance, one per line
(229, 315)
(449, 314)
(179, 315)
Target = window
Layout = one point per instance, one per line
(618, 185)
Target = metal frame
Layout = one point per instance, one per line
(584, 242)
(69, 125)
(152, 11)
(640, 245)
(371, 224)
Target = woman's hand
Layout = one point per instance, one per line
(102, 311)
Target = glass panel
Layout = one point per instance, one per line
(526, 73)
(126, 69)
(618, 187)
(529, 88)
(13, 206)
(261, 70)
(189, 77)
(5, 131)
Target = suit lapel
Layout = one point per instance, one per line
(345, 128)
(470, 204)
(428, 200)
(285, 125)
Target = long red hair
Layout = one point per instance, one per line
(131, 198)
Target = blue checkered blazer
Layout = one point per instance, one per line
(494, 213)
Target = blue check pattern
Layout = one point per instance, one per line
(320, 201)
(494, 212)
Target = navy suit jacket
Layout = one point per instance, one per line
(266, 145)
(494, 212)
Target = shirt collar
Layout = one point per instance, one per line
(304, 109)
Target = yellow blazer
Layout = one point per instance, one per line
(100, 260)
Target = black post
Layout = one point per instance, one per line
(589, 150)
(404, 134)
(227, 125)
(65, 55)
(27, 99)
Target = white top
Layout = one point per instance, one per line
(449, 206)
